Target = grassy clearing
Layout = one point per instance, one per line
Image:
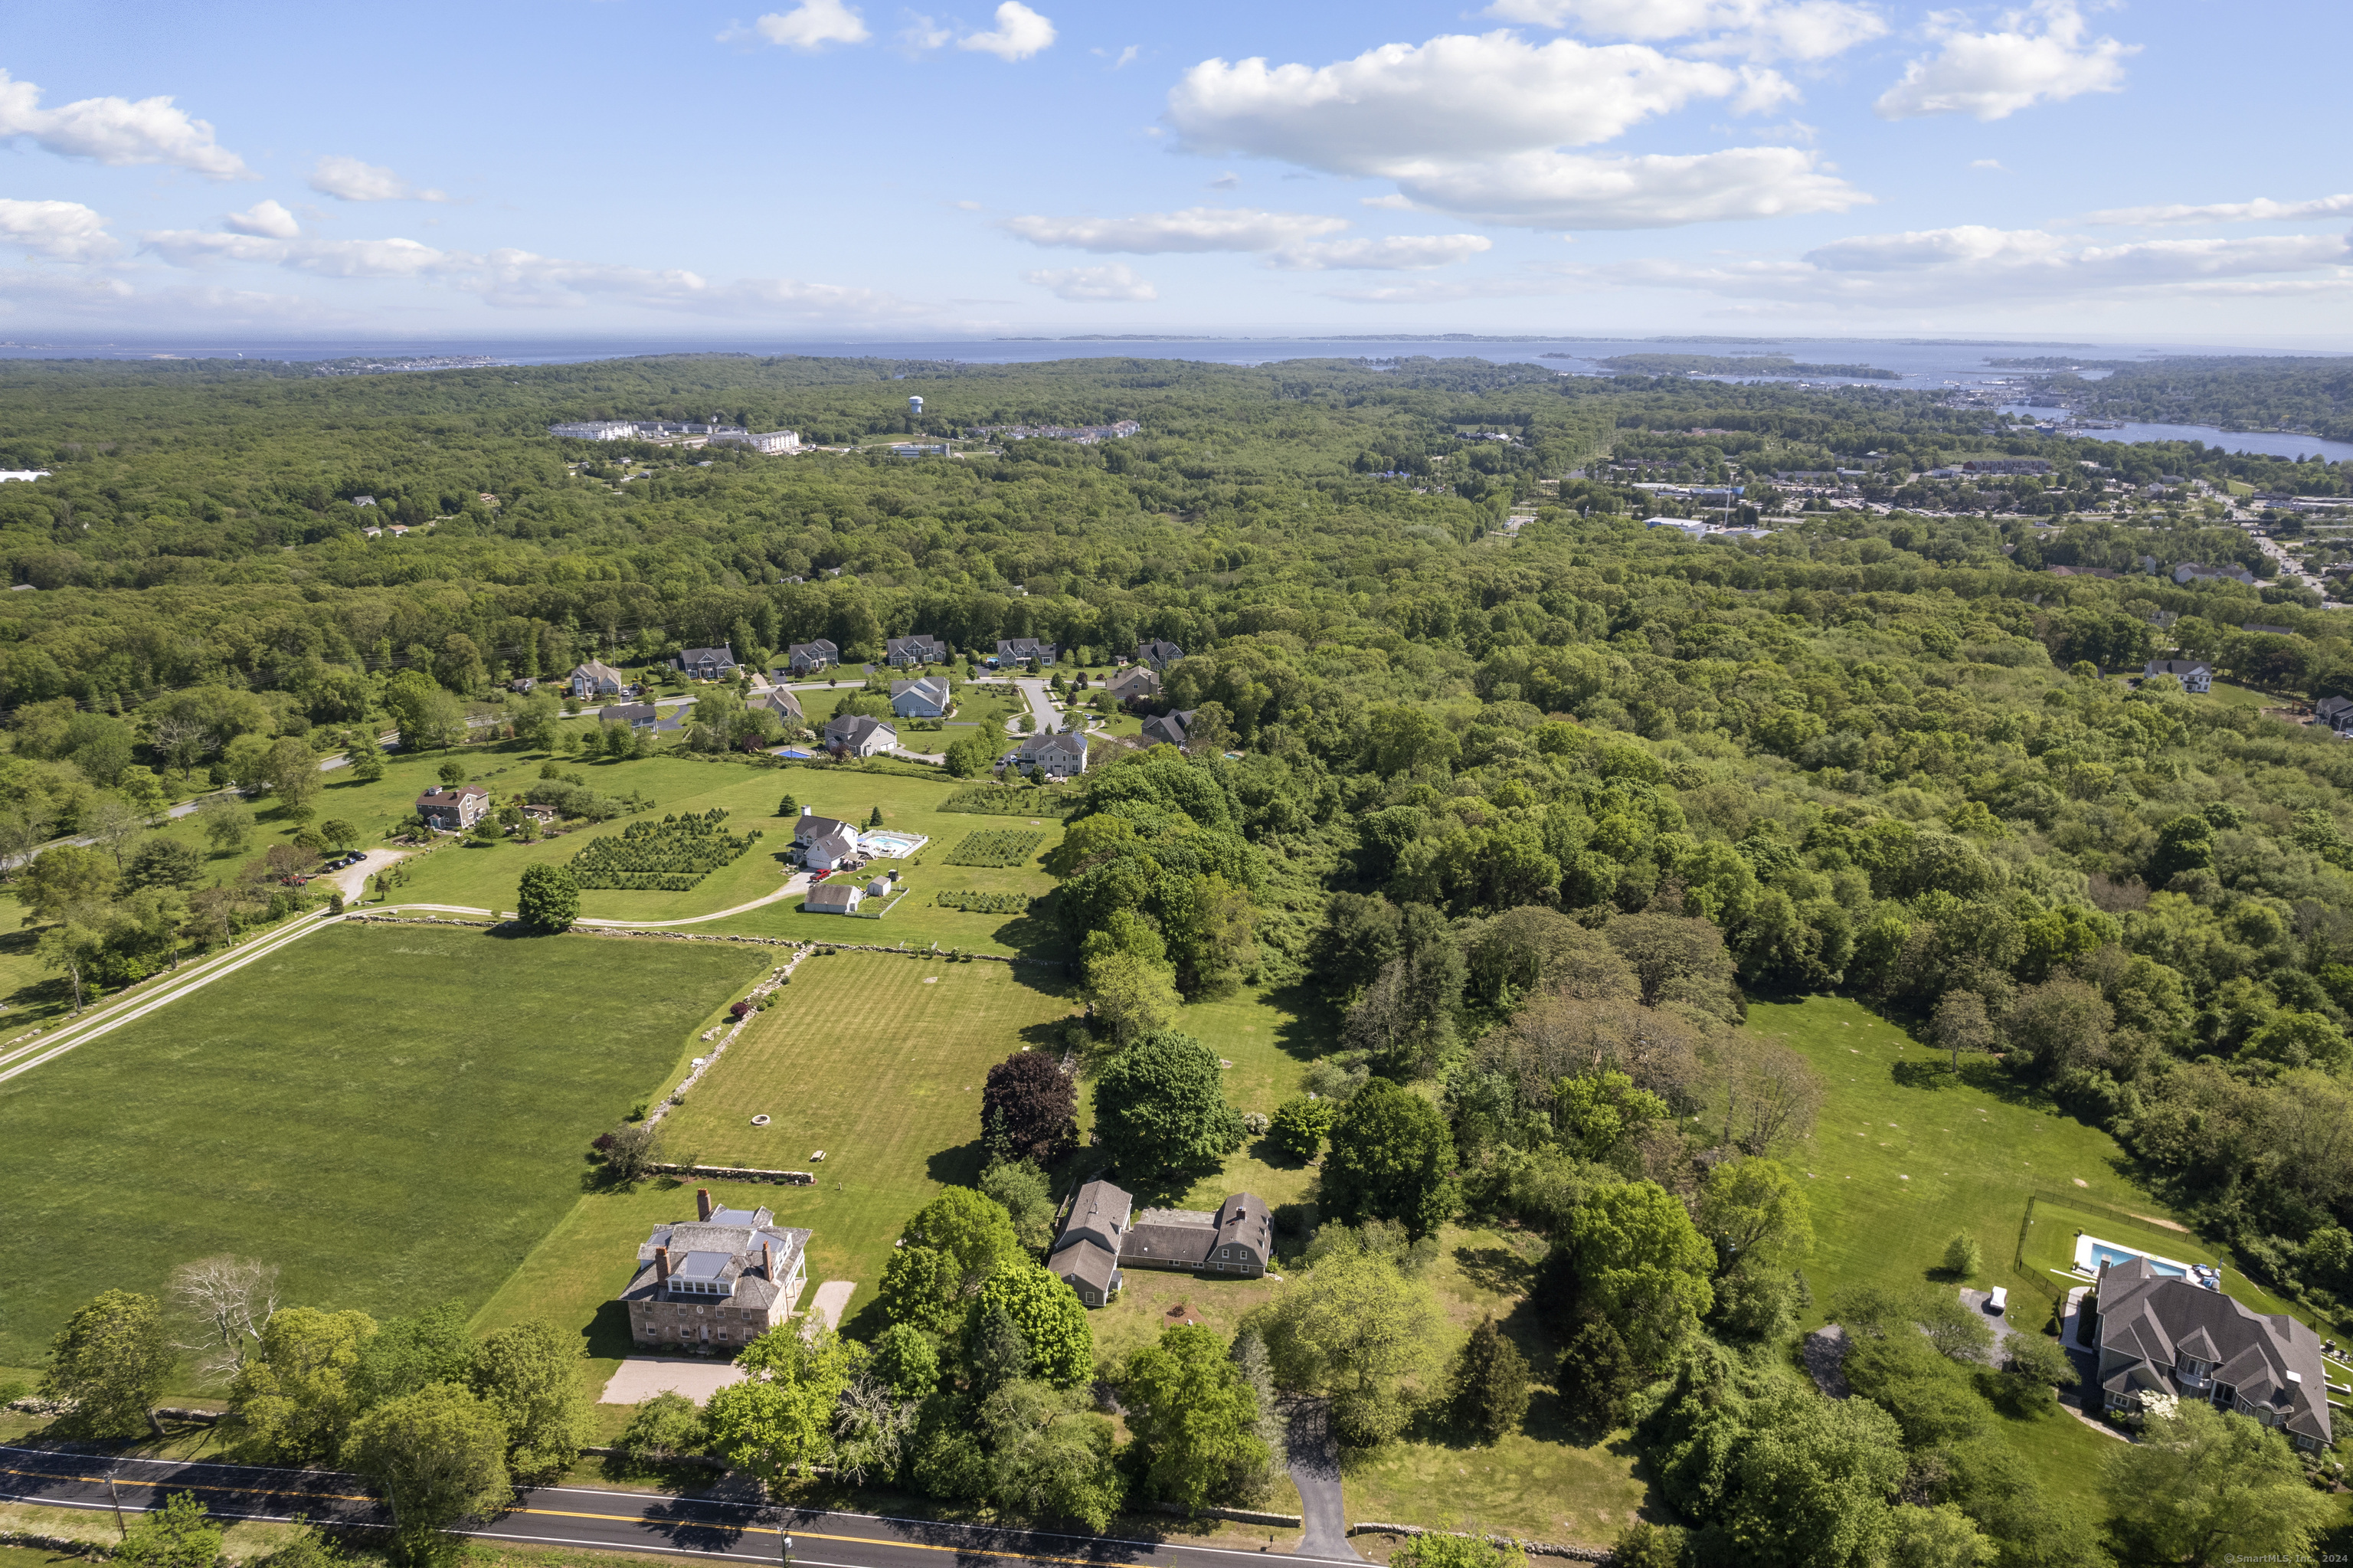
(486, 878)
(30, 996)
(1905, 1154)
(395, 1116)
(861, 1058)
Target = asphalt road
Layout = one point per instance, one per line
(709, 1524)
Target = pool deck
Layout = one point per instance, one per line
(2089, 1265)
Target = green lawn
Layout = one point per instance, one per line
(485, 877)
(395, 1116)
(861, 1058)
(1904, 1155)
(30, 996)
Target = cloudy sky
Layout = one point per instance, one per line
(2169, 170)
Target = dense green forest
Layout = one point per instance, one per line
(1535, 814)
(2302, 394)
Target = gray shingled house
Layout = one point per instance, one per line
(1086, 1254)
(2158, 1333)
(1104, 1234)
(709, 1285)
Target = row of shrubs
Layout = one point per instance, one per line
(995, 847)
(984, 903)
(672, 854)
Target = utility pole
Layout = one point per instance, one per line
(118, 1504)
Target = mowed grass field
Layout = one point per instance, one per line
(861, 1058)
(485, 877)
(1904, 1154)
(395, 1116)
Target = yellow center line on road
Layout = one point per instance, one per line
(192, 1487)
(814, 1535)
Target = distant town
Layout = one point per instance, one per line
(668, 433)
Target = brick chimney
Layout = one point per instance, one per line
(768, 1259)
(703, 1202)
(662, 1265)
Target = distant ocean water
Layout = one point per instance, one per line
(1922, 364)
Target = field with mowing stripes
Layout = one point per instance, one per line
(395, 1116)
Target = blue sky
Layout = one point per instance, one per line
(844, 168)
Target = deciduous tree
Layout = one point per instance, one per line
(1033, 1105)
(297, 1395)
(439, 1455)
(781, 1416)
(109, 1363)
(1160, 1105)
(547, 898)
(528, 1373)
(1392, 1158)
(1193, 1412)
(2205, 1486)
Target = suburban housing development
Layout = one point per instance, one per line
(665, 433)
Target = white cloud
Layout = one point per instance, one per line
(1127, 56)
(1226, 181)
(348, 179)
(1566, 190)
(56, 230)
(1197, 229)
(266, 218)
(515, 278)
(116, 131)
(1114, 284)
(921, 33)
(811, 25)
(1993, 164)
(1475, 126)
(2261, 209)
(1400, 253)
(1975, 265)
(1759, 29)
(1019, 33)
(2041, 55)
(1457, 96)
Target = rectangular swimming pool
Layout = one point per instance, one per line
(2104, 1252)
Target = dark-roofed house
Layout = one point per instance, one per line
(637, 715)
(1053, 756)
(809, 658)
(780, 701)
(1157, 654)
(917, 648)
(1136, 683)
(924, 697)
(706, 663)
(841, 897)
(2195, 675)
(2159, 1333)
(859, 735)
(710, 1285)
(1168, 729)
(1086, 1254)
(2337, 713)
(1021, 650)
(453, 811)
(594, 680)
(1239, 1238)
(823, 843)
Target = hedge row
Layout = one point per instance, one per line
(995, 846)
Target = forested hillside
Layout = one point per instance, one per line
(1519, 807)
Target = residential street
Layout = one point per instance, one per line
(729, 1520)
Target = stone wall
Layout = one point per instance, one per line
(1530, 1548)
